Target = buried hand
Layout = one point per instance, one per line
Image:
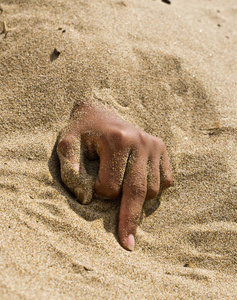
(129, 162)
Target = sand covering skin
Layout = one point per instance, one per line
(169, 69)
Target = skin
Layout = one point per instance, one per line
(130, 162)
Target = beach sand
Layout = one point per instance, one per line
(169, 69)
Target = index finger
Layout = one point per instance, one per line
(133, 196)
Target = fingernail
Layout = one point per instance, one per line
(130, 242)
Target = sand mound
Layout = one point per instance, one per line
(169, 69)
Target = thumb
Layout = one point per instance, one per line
(72, 167)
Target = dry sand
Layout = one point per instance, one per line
(170, 69)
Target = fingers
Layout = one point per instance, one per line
(72, 168)
(138, 186)
(158, 166)
(133, 196)
(153, 176)
(166, 170)
(111, 172)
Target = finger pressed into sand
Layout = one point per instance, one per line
(133, 196)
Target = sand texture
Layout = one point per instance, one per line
(169, 69)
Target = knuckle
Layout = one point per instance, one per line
(159, 143)
(108, 190)
(168, 181)
(118, 137)
(121, 135)
(117, 133)
(113, 192)
(152, 192)
(139, 190)
(142, 136)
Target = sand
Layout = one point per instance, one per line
(169, 69)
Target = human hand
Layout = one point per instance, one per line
(129, 163)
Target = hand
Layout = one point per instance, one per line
(129, 163)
